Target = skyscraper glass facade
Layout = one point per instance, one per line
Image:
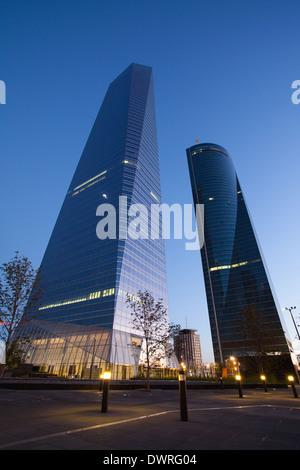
(235, 274)
(83, 322)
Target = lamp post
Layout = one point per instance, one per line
(291, 380)
(101, 383)
(238, 379)
(106, 382)
(182, 394)
(290, 310)
(263, 378)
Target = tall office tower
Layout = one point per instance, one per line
(187, 349)
(84, 322)
(235, 274)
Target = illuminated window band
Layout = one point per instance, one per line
(91, 296)
(130, 162)
(154, 196)
(92, 181)
(97, 178)
(82, 298)
(229, 266)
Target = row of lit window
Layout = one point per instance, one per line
(236, 265)
(91, 179)
(91, 296)
(82, 298)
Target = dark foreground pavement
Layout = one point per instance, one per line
(138, 420)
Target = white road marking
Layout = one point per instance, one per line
(124, 421)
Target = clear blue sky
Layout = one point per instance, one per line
(222, 73)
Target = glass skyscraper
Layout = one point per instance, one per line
(83, 322)
(235, 274)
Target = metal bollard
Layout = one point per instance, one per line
(291, 380)
(238, 379)
(222, 383)
(182, 396)
(263, 378)
(106, 382)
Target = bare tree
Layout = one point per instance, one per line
(260, 336)
(150, 319)
(174, 330)
(17, 300)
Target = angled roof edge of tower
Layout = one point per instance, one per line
(209, 145)
(130, 66)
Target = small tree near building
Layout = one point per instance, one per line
(17, 278)
(150, 320)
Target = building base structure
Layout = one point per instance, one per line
(69, 351)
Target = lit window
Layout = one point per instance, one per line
(236, 265)
(153, 195)
(91, 179)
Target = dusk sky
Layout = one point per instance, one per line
(223, 73)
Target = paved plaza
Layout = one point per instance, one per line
(138, 420)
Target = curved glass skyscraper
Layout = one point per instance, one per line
(235, 274)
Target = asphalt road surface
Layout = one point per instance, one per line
(138, 420)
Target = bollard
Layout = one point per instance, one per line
(263, 378)
(238, 379)
(291, 379)
(182, 396)
(222, 383)
(106, 382)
